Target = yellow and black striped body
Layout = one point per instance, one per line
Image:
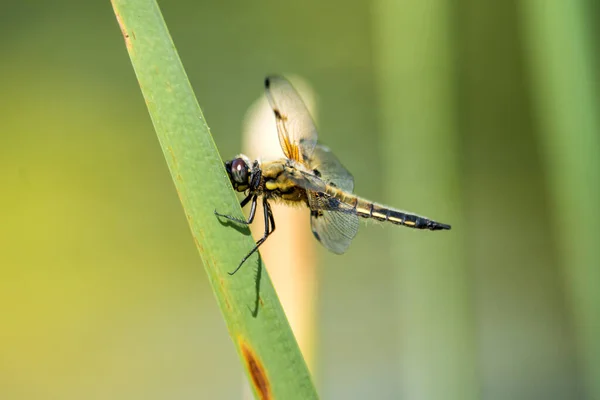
(368, 209)
(279, 182)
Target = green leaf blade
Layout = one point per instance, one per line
(252, 312)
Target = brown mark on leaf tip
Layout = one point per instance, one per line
(126, 35)
(260, 381)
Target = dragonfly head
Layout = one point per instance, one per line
(239, 172)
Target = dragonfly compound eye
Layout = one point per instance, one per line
(239, 171)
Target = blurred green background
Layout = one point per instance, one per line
(482, 115)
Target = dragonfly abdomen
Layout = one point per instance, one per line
(368, 209)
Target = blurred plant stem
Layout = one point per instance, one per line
(249, 304)
(416, 93)
(566, 100)
(290, 250)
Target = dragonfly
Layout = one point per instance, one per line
(309, 175)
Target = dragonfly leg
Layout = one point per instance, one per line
(269, 228)
(242, 204)
(271, 218)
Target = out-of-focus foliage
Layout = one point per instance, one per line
(101, 290)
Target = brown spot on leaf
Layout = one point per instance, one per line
(126, 35)
(257, 372)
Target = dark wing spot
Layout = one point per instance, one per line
(333, 203)
(317, 172)
(316, 235)
(277, 114)
(267, 83)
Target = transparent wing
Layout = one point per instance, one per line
(295, 127)
(333, 223)
(326, 166)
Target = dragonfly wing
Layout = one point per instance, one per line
(333, 223)
(306, 180)
(330, 169)
(295, 127)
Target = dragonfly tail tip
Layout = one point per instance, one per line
(438, 226)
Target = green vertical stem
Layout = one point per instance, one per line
(249, 304)
(420, 146)
(567, 105)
